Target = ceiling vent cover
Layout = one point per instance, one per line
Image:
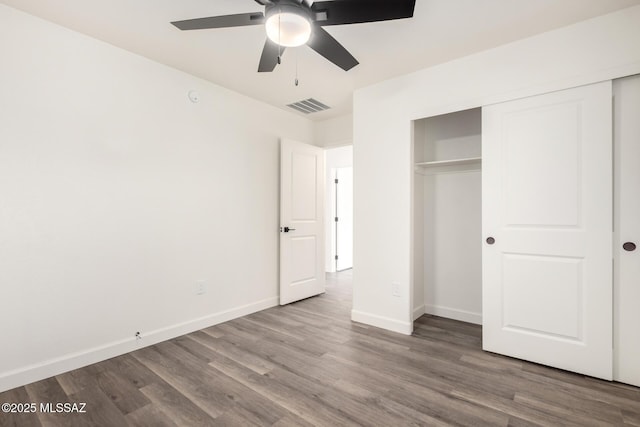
(308, 106)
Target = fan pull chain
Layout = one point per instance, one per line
(296, 80)
(280, 37)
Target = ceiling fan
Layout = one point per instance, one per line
(291, 23)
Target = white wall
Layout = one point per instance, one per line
(339, 157)
(453, 248)
(594, 50)
(117, 194)
(334, 132)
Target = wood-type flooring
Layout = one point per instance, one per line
(307, 364)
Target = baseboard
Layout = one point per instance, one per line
(49, 368)
(454, 313)
(418, 311)
(393, 325)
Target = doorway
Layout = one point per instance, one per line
(343, 220)
(339, 209)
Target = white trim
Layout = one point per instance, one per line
(454, 313)
(418, 311)
(387, 323)
(49, 368)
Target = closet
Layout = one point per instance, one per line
(447, 187)
(513, 225)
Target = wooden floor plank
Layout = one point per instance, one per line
(292, 421)
(631, 417)
(199, 387)
(149, 416)
(515, 409)
(286, 395)
(450, 409)
(132, 370)
(227, 345)
(176, 406)
(18, 419)
(122, 393)
(49, 391)
(100, 410)
(564, 409)
(74, 381)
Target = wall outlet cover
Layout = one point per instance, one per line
(201, 287)
(395, 289)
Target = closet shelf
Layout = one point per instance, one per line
(469, 161)
(455, 165)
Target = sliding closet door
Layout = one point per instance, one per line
(547, 225)
(627, 230)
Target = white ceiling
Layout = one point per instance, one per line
(440, 31)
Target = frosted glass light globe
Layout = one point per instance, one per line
(288, 29)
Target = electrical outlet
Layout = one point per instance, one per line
(201, 287)
(395, 289)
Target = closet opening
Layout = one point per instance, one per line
(447, 216)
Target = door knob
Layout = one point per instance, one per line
(491, 240)
(287, 229)
(629, 246)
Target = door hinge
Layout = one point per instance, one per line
(336, 180)
(336, 219)
(336, 257)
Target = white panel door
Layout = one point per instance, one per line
(547, 225)
(301, 221)
(627, 230)
(344, 213)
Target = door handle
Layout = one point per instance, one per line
(287, 229)
(491, 240)
(629, 246)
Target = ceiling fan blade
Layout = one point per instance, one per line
(225, 21)
(269, 58)
(339, 12)
(323, 43)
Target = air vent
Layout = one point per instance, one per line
(308, 106)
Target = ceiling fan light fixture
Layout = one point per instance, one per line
(288, 29)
